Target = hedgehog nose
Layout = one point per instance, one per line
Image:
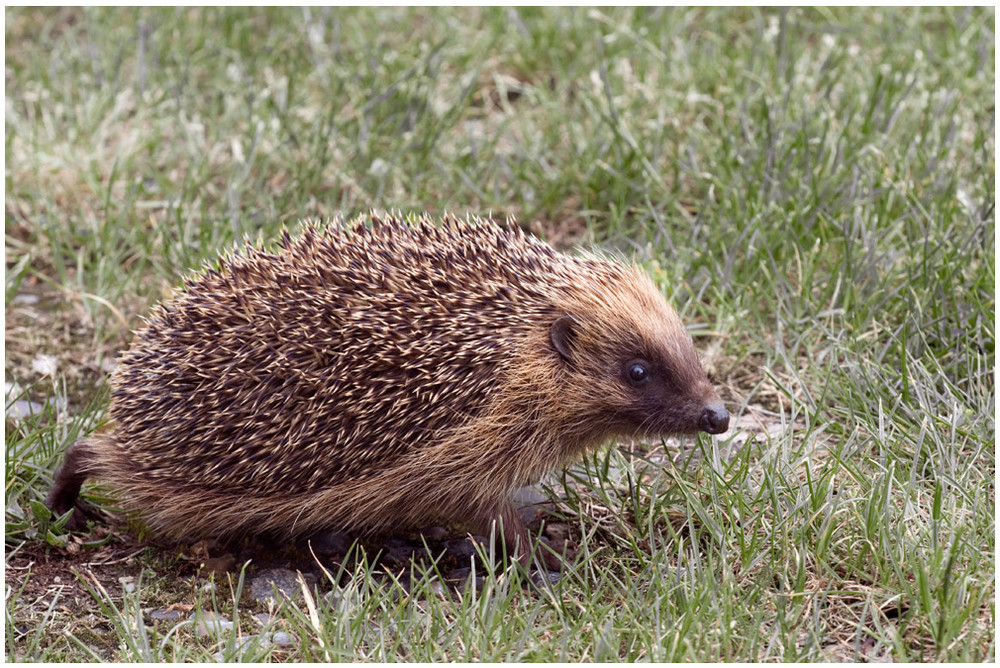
(715, 418)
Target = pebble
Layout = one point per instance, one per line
(557, 532)
(46, 365)
(532, 505)
(218, 565)
(282, 639)
(438, 589)
(261, 640)
(400, 551)
(209, 623)
(545, 578)
(25, 298)
(525, 496)
(435, 534)
(329, 543)
(22, 408)
(166, 614)
(461, 549)
(263, 584)
(530, 515)
(334, 598)
(462, 580)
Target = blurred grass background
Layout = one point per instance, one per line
(813, 188)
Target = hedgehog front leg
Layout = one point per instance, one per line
(516, 537)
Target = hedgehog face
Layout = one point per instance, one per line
(650, 377)
(664, 395)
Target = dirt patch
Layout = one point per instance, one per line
(48, 584)
(59, 577)
(50, 336)
(41, 572)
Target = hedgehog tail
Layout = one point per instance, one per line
(81, 463)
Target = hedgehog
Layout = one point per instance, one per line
(385, 373)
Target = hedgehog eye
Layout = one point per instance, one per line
(637, 373)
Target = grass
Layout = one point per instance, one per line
(813, 188)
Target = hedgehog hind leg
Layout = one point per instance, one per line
(79, 465)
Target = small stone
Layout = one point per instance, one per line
(438, 589)
(557, 532)
(263, 584)
(329, 543)
(282, 639)
(545, 578)
(209, 623)
(461, 549)
(532, 516)
(22, 408)
(334, 598)
(532, 505)
(261, 640)
(378, 168)
(528, 496)
(45, 365)
(400, 551)
(219, 565)
(403, 580)
(462, 579)
(166, 614)
(263, 618)
(435, 533)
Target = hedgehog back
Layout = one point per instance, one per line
(320, 361)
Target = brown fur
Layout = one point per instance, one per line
(385, 374)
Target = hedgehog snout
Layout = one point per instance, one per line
(715, 418)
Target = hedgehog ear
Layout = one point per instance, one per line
(562, 333)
